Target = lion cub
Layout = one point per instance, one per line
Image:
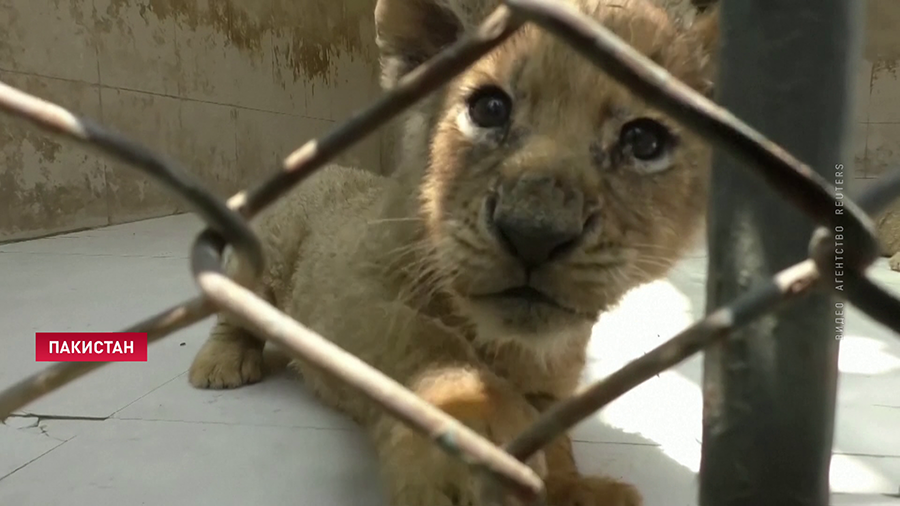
(532, 193)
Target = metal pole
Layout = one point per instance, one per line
(786, 67)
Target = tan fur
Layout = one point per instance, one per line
(887, 228)
(396, 270)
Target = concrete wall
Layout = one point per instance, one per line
(877, 120)
(227, 87)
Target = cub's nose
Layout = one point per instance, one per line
(536, 219)
(534, 245)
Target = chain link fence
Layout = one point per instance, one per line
(227, 225)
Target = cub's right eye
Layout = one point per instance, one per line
(490, 107)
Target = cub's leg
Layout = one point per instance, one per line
(894, 262)
(416, 471)
(438, 365)
(566, 486)
(231, 357)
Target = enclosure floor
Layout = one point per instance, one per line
(138, 434)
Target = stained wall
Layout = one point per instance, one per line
(226, 87)
(229, 87)
(877, 118)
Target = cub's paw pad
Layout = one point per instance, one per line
(221, 365)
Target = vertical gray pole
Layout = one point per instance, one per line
(786, 67)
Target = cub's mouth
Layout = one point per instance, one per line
(522, 312)
(524, 295)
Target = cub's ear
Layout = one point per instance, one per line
(409, 32)
(705, 33)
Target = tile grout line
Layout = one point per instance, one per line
(166, 95)
(116, 412)
(23, 466)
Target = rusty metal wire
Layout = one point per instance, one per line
(227, 226)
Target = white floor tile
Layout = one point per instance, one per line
(20, 445)
(280, 400)
(661, 481)
(118, 463)
(163, 237)
(43, 292)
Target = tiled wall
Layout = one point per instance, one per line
(227, 87)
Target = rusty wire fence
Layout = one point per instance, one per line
(228, 225)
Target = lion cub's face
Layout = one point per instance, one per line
(550, 189)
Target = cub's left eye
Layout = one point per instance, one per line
(646, 140)
(489, 107)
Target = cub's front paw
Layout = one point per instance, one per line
(894, 262)
(226, 364)
(421, 474)
(576, 490)
(450, 484)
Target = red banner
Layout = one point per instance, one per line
(90, 347)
